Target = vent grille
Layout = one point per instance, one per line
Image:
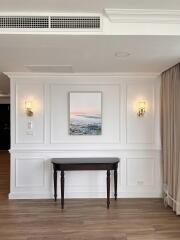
(50, 22)
(24, 22)
(75, 22)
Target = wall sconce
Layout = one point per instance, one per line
(28, 107)
(141, 108)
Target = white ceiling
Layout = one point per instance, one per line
(85, 53)
(84, 5)
(88, 53)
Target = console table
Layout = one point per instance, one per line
(86, 164)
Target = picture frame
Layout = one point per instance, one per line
(85, 113)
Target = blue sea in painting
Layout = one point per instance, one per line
(85, 124)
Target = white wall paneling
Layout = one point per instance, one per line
(35, 93)
(140, 130)
(60, 122)
(134, 140)
(30, 172)
(30, 176)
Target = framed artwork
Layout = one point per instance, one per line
(85, 113)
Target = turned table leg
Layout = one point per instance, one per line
(55, 184)
(62, 189)
(108, 188)
(115, 183)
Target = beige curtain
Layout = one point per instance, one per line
(170, 120)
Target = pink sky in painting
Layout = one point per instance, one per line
(86, 103)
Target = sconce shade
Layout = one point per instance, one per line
(142, 105)
(28, 107)
(141, 108)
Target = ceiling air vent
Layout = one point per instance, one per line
(50, 68)
(51, 23)
(24, 22)
(75, 22)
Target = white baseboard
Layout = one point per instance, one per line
(49, 195)
(30, 195)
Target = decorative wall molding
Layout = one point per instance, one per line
(23, 86)
(114, 88)
(141, 183)
(155, 16)
(147, 88)
(120, 143)
(24, 160)
(83, 186)
(60, 121)
(84, 148)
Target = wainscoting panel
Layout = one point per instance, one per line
(138, 175)
(140, 172)
(30, 172)
(134, 140)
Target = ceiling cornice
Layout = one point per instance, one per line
(54, 75)
(143, 16)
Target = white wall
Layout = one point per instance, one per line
(134, 140)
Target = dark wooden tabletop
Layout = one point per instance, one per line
(96, 160)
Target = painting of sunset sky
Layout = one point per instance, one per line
(85, 113)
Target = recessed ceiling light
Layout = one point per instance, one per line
(122, 54)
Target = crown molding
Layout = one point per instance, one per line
(143, 16)
(56, 75)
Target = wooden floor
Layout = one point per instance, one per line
(4, 174)
(127, 219)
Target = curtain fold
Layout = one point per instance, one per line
(170, 122)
